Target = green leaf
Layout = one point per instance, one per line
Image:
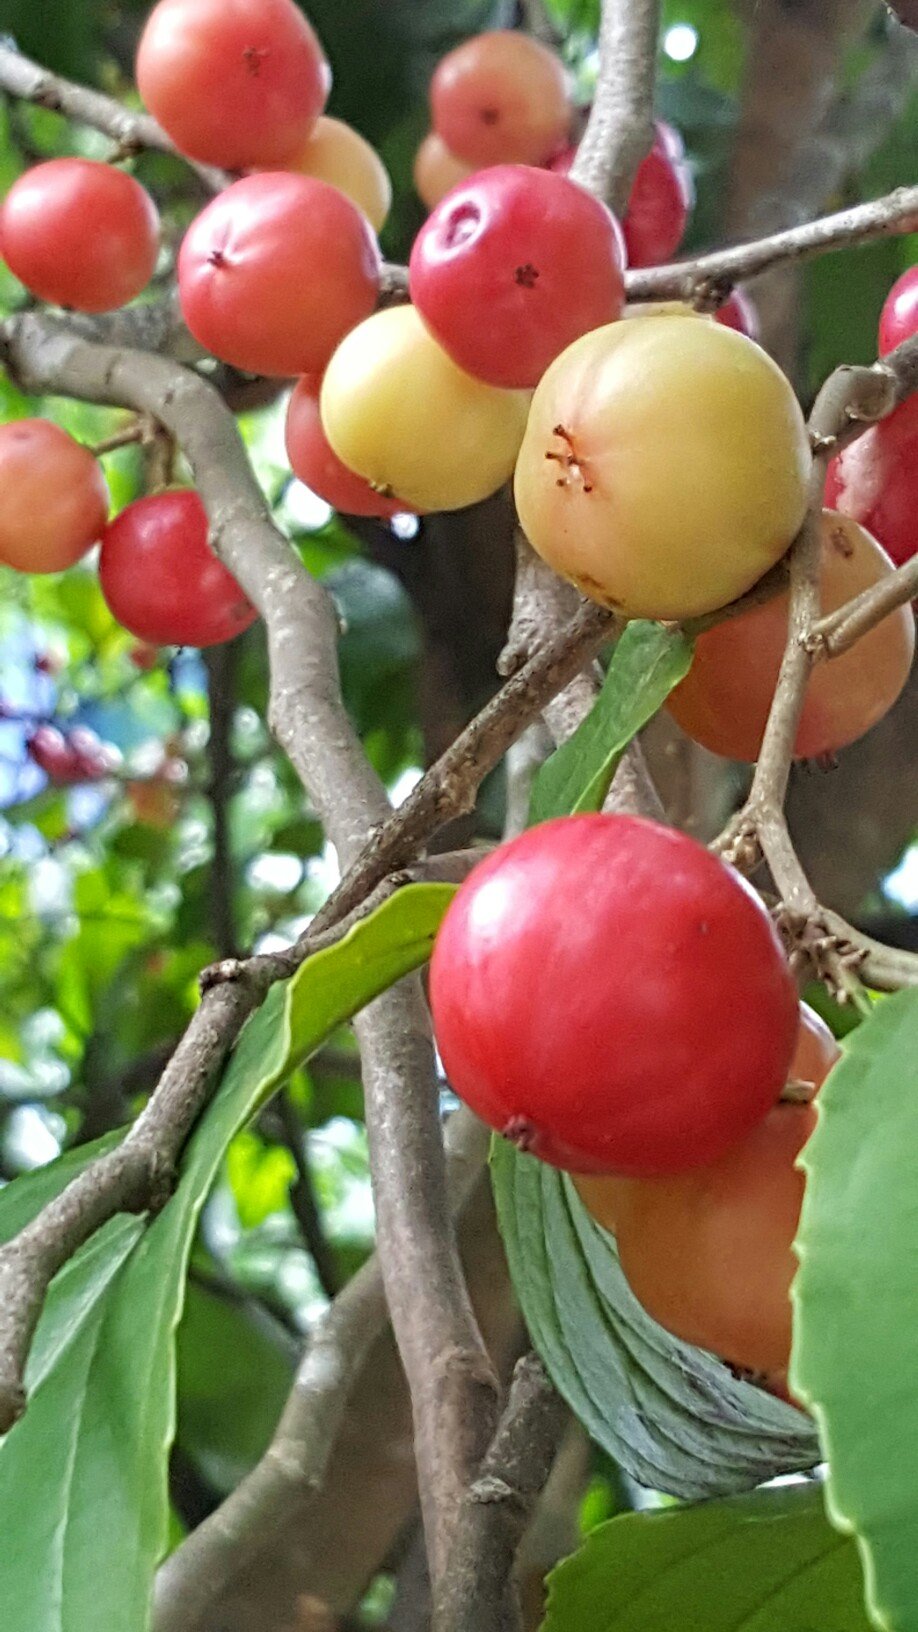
(647, 662)
(768, 1562)
(856, 1300)
(672, 1417)
(83, 1491)
(259, 1176)
(235, 1368)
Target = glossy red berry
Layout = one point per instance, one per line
(739, 312)
(899, 317)
(512, 266)
(78, 757)
(610, 996)
(661, 199)
(239, 83)
(53, 497)
(275, 271)
(81, 234)
(161, 578)
(874, 480)
(315, 462)
(501, 98)
(658, 209)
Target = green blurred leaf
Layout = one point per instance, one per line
(235, 1368)
(769, 1561)
(83, 1493)
(856, 1299)
(671, 1417)
(647, 662)
(259, 1176)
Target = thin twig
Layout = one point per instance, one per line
(303, 1199)
(838, 631)
(131, 132)
(479, 1590)
(890, 216)
(289, 1478)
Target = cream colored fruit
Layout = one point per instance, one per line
(400, 413)
(436, 170)
(664, 467)
(339, 155)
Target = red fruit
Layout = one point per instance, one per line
(79, 757)
(275, 271)
(315, 462)
(661, 198)
(512, 266)
(658, 209)
(875, 481)
(724, 700)
(899, 317)
(53, 497)
(79, 233)
(161, 578)
(238, 83)
(610, 996)
(501, 98)
(738, 312)
(709, 1254)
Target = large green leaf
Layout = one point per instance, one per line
(768, 1562)
(83, 1500)
(671, 1416)
(856, 1300)
(647, 662)
(235, 1368)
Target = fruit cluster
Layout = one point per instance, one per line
(661, 464)
(644, 1047)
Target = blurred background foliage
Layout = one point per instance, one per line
(114, 894)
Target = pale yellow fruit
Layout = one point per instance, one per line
(436, 170)
(664, 467)
(400, 413)
(339, 155)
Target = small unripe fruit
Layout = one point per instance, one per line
(437, 170)
(400, 413)
(53, 497)
(664, 467)
(724, 700)
(338, 154)
(79, 233)
(610, 996)
(238, 83)
(501, 98)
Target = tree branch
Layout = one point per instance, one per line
(852, 399)
(838, 631)
(620, 127)
(131, 132)
(715, 274)
(290, 1475)
(221, 664)
(498, 1505)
